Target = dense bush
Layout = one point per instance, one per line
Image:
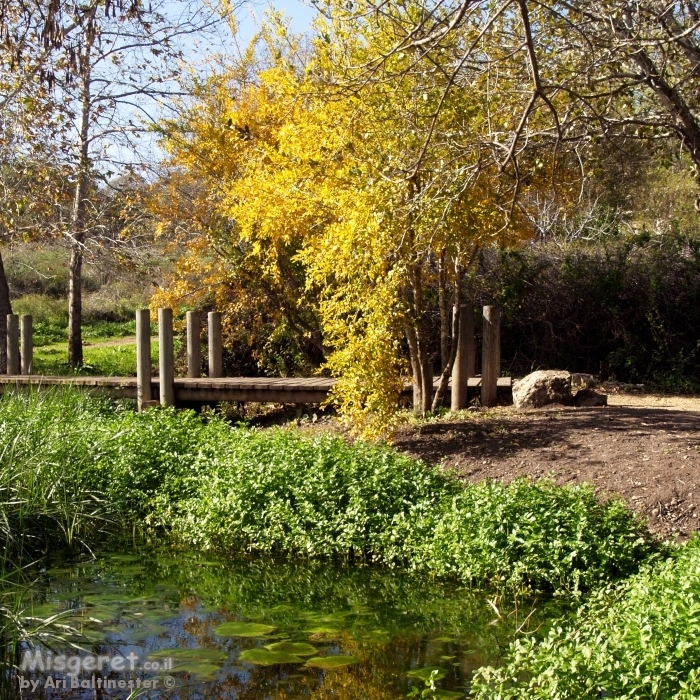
(630, 305)
(281, 492)
(639, 639)
(73, 464)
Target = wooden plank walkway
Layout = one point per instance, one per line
(203, 390)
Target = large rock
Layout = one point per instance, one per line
(542, 388)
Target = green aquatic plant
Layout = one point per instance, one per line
(265, 657)
(296, 648)
(243, 629)
(634, 640)
(430, 676)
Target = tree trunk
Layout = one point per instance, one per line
(444, 311)
(447, 370)
(415, 336)
(77, 237)
(5, 308)
(426, 368)
(415, 366)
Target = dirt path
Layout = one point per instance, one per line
(644, 448)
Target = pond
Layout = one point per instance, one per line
(158, 622)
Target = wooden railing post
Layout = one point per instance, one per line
(143, 357)
(27, 353)
(465, 359)
(490, 355)
(194, 348)
(214, 338)
(166, 357)
(13, 356)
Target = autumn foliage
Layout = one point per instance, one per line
(319, 211)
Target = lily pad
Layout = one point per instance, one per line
(329, 662)
(265, 657)
(209, 655)
(243, 629)
(424, 673)
(298, 648)
(203, 671)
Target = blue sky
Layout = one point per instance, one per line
(300, 13)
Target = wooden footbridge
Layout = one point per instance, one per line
(167, 389)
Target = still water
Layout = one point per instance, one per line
(186, 625)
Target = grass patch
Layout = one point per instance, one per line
(638, 639)
(71, 464)
(101, 361)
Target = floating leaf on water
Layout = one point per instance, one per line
(208, 655)
(153, 615)
(321, 618)
(203, 671)
(330, 662)
(446, 694)
(424, 673)
(92, 636)
(445, 640)
(298, 648)
(243, 629)
(337, 616)
(264, 657)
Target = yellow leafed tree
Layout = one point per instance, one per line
(328, 207)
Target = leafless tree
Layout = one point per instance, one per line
(111, 68)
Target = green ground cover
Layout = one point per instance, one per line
(638, 639)
(112, 359)
(76, 470)
(73, 465)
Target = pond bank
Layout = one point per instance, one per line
(76, 469)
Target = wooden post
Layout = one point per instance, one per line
(214, 333)
(27, 344)
(490, 355)
(13, 361)
(194, 348)
(166, 357)
(143, 358)
(465, 360)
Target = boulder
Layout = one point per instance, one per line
(588, 397)
(542, 388)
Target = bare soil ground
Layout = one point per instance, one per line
(644, 448)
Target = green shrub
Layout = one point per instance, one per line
(639, 639)
(277, 491)
(537, 533)
(627, 304)
(72, 461)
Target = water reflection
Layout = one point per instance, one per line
(260, 629)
